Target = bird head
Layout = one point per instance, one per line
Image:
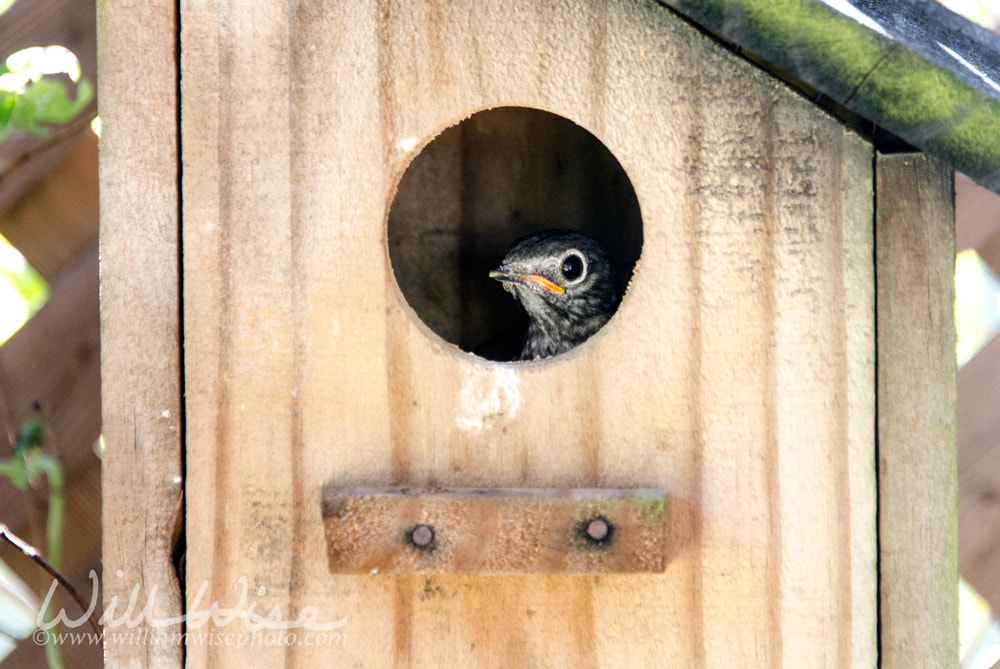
(565, 282)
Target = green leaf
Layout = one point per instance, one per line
(16, 470)
(29, 436)
(30, 284)
(44, 101)
(7, 101)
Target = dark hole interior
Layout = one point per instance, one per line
(479, 186)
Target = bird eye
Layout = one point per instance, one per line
(573, 267)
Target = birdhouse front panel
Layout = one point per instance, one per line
(736, 376)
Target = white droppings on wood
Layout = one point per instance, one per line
(407, 144)
(489, 395)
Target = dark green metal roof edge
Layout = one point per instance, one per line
(941, 97)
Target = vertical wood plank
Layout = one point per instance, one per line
(140, 330)
(241, 325)
(918, 538)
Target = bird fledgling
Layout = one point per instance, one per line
(565, 282)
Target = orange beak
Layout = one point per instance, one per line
(501, 274)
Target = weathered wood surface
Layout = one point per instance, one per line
(918, 538)
(738, 373)
(140, 331)
(494, 530)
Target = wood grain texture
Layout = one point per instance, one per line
(918, 537)
(372, 530)
(140, 337)
(738, 373)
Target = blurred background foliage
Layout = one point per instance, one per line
(41, 89)
(36, 94)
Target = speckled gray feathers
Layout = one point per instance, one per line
(566, 284)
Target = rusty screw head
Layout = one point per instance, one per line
(422, 535)
(596, 532)
(597, 529)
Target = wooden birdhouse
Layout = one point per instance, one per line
(310, 409)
